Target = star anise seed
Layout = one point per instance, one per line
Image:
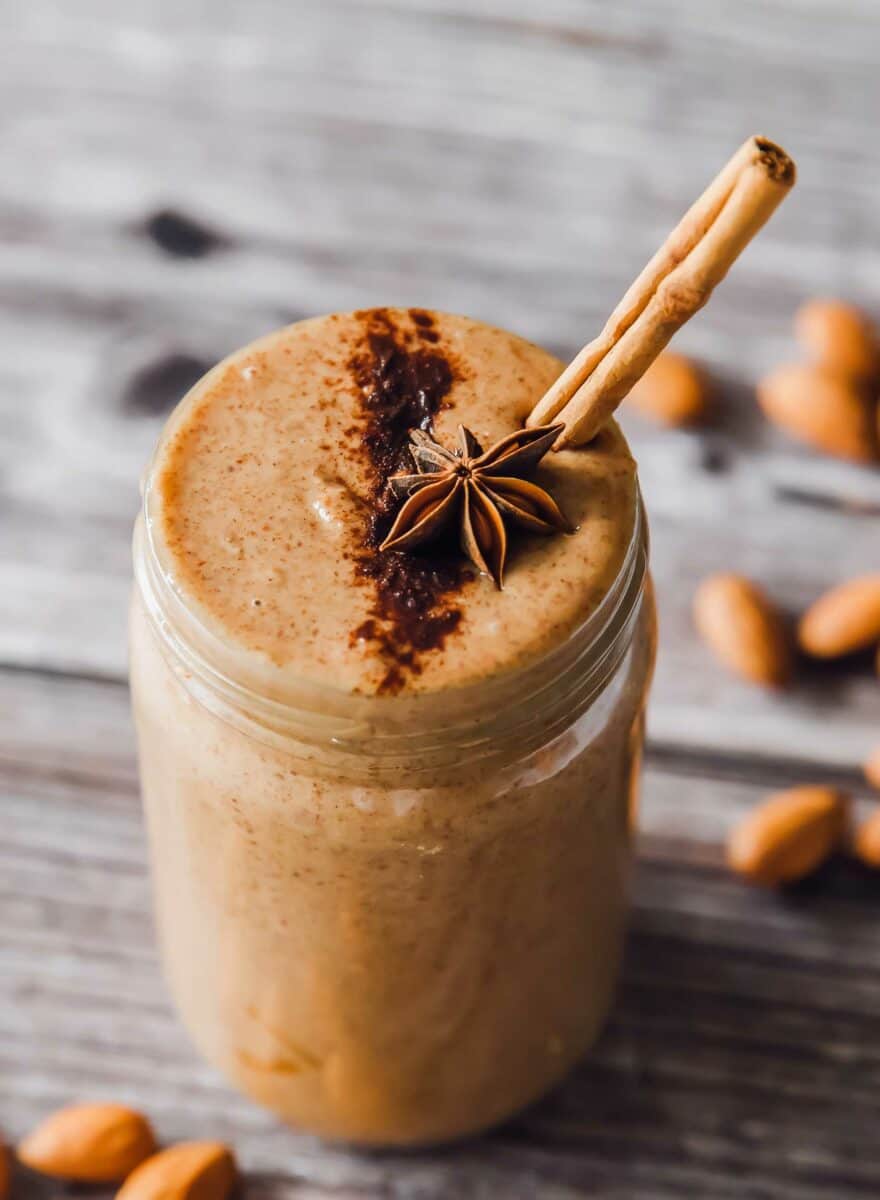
(481, 489)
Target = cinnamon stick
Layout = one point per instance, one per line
(674, 285)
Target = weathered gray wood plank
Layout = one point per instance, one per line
(740, 1052)
(479, 158)
(66, 560)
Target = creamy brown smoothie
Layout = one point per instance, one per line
(388, 803)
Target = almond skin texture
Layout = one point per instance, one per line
(89, 1143)
(844, 620)
(822, 408)
(872, 769)
(866, 842)
(4, 1172)
(838, 336)
(190, 1171)
(744, 629)
(789, 835)
(672, 391)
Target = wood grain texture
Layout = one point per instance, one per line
(178, 179)
(739, 1060)
(471, 157)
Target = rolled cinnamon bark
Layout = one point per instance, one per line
(677, 282)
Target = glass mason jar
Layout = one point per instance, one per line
(389, 922)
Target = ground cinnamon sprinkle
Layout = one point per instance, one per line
(404, 378)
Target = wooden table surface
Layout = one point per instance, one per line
(178, 177)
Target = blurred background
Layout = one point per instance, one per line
(179, 177)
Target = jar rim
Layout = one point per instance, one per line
(530, 702)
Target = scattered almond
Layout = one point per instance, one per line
(822, 408)
(189, 1171)
(838, 336)
(672, 391)
(89, 1143)
(872, 769)
(844, 620)
(744, 628)
(789, 835)
(866, 842)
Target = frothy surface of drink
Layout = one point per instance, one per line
(270, 504)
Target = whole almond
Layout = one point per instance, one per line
(189, 1171)
(89, 1143)
(671, 391)
(822, 408)
(872, 769)
(744, 628)
(838, 336)
(866, 841)
(844, 620)
(789, 835)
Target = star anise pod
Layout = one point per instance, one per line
(482, 489)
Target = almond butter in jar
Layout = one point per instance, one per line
(389, 805)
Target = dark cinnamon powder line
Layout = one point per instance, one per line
(404, 377)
